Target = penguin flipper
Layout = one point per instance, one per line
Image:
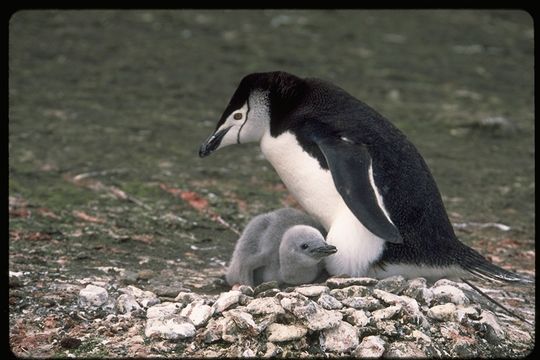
(349, 164)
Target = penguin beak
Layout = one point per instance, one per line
(324, 250)
(212, 143)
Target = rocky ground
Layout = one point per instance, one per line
(121, 315)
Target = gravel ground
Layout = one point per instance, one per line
(116, 315)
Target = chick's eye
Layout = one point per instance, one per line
(237, 116)
(304, 246)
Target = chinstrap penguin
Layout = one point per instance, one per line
(356, 173)
(284, 245)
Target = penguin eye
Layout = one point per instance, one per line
(304, 246)
(238, 116)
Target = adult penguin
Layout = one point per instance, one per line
(356, 173)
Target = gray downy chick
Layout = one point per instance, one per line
(284, 245)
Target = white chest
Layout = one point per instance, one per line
(311, 185)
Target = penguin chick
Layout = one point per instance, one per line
(354, 172)
(285, 245)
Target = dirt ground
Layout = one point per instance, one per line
(107, 110)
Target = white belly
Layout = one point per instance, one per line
(315, 191)
(311, 185)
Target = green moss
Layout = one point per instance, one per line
(138, 91)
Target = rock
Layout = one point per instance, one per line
(420, 336)
(82, 256)
(386, 328)
(246, 290)
(15, 293)
(145, 274)
(370, 347)
(448, 293)
(312, 290)
(265, 286)
(498, 123)
(322, 319)
(214, 330)
(127, 303)
(464, 313)
(386, 297)
(418, 290)
(312, 315)
(341, 338)
(304, 321)
(263, 306)
(335, 283)
(14, 281)
(449, 330)
(248, 353)
(401, 349)
(69, 342)
(410, 306)
(280, 333)
(209, 353)
(264, 321)
(243, 320)
(518, 336)
(163, 310)
(231, 332)
(144, 298)
(350, 291)
(394, 284)
(459, 344)
(226, 300)
(271, 350)
(93, 295)
(170, 290)
(268, 293)
(445, 312)
(356, 317)
(465, 347)
(291, 295)
(494, 334)
(128, 277)
(329, 302)
(137, 339)
(444, 282)
(149, 301)
(172, 327)
(368, 303)
(394, 95)
(198, 312)
(416, 283)
(186, 297)
(386, 313)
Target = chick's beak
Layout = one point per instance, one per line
(324, 250)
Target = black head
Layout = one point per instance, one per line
(260, 100)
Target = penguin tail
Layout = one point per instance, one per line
(479, 266)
